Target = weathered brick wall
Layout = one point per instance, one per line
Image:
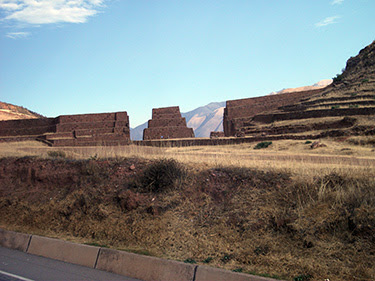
(270, 99)
(214, 135)
(94, 117)
(247, 108)
(82, 129)
(27, 127)
(172, 110)
(168, 133)
(92, 129)
(269, 118)
(167, 123)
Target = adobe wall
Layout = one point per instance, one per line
(171, 111)
(82, 129)
(214, 135)
(167, 123)
(27, 127)
(168, 133)
(247, 108)
(269, 118)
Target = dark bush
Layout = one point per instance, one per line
(161, 175)
(263, 144)
(337, 79)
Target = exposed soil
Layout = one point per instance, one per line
(263, 222)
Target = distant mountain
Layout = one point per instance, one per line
(318, 85)
(203, 120)
(137, 132)
(10, 112)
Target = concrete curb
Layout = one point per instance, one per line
(119, 262)
(144, 267)
(64, 251)
(14, 240)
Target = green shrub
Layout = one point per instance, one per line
(208, 260)
(238, 269)
(189, 260)
(308, 142)
(56, 154)
(161, 175)
(263, 144)
(335, 107)
(353, 106)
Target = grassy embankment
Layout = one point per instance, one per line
(286, 211)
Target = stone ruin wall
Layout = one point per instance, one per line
(167, 123)
(243, 109)
(70, 130)
(25, 127)
(214, 135)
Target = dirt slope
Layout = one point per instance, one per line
(10, 112)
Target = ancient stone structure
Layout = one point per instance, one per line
(239, 111)
(167, 123)
(351, 95)
(214, 135)
(70, 130)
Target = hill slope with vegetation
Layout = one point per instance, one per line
(268, 222)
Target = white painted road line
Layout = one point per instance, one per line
(15, 276)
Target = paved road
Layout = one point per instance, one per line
(16, 266)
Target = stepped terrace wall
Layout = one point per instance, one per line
(167, 123)
(247, 108)
(70, 130)
(269, 118)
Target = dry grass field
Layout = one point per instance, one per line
(296, 156)
(286, 211)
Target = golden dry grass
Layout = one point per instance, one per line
(288, 155)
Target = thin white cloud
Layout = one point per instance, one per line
(327, 21)
(36, 12)
(337, 2)
(18, 35)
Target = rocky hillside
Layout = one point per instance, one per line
(10, 112)
(344, 108)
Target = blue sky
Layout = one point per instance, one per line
(86, 56)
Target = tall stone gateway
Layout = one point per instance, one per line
(167, 123)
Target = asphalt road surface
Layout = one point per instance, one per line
(19, 266)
